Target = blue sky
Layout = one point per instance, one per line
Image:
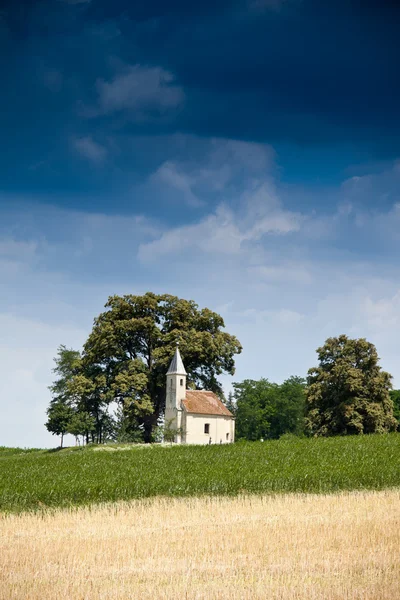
(243, 154)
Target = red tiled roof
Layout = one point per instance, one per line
(204, 403)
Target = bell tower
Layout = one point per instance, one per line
(176, 392)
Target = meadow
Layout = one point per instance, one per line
(283, 547)
(42, 480)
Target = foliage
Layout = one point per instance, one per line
(87, 393)
(69, 477)
(133, 341)
(395, 397)
(68, 363)
(288, 417)
(169, 432)
(124, 431)
(348, 393)
(79, 388)
(81, 423)
(268, 410)
(59, 417)
(231, 404)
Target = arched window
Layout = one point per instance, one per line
(181, 381)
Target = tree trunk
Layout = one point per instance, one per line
(62, 438)
(148, 428)
(149, 423)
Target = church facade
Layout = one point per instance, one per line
(197, 416)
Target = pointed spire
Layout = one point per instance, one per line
(176, 365)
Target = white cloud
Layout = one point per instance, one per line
(170, 175)
(88, 148)
(216, 233)
(221, 163)
(382, 314)
(199, 170)
(224, 231)
(265, 214)
(140, 90)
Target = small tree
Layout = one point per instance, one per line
(170, 432)
(230, 404)
(348, 393)
(59, 417)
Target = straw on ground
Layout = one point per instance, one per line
(335, 547)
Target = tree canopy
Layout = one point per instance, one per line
(59, 416)
(269, 410)
(395, 396)
(348, 392)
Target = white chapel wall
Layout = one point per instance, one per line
(221, 429)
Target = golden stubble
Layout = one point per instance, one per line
(344, 546)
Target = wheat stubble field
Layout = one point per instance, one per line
(339, 546)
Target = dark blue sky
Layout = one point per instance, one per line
(317, 81)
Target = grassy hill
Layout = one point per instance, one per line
(36, 479)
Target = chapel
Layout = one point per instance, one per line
(198, 416)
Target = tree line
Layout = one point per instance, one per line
(346, 393)
(126, 356)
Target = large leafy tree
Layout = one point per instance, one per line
(133, 341)
(269, 410)
(348, 392)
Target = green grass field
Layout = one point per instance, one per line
(37, 479)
